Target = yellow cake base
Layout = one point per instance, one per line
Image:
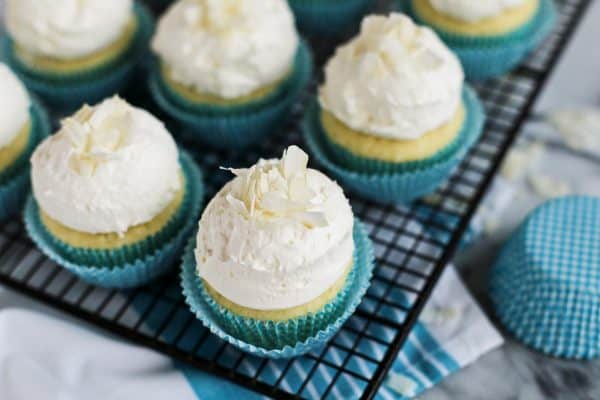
(390, 150)
(61, 66)
(113, 240)
(285, 314)
(193, 96)
(510, 20)
(11, 152)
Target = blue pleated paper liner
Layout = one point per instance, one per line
(196, 299)
(329, 18)
(488, 57)
(136, 272)
(14, 182)
(545, 284)
(71, 91)
(245, 125)
(396, 187)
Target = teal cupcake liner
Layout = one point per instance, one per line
(492, 56)
(396, 187)
(544, 283)
(14, 180)
(40, 128)
(13, 194)
(358, 163)
(69, 91)
(330, 18)
(113, 268)
(134, 251)
(242, 126)
(281, 339)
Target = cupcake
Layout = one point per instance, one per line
(23, 123)
(279, 261)
(393, 117)
(329, 18)
(228, 70)
(113, 198)
(489, 36)
(71, 52)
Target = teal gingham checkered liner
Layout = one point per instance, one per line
(545, 285)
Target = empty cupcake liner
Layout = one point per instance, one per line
(492, 56)
(69, 91)
(347, 159)
(397, 187)
(544, 285)
(280, 339)
(243, 126)
(14, 180)
(328, 17)
(116, 268)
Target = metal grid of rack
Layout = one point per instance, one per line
(412, 243)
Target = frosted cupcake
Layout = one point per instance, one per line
(279, 259)
(113, 199)
(228, 70)
(23, 123)
(393, 116)
(70, 52)
(489, 36)
(331, 18)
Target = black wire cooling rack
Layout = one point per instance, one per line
(413, 243)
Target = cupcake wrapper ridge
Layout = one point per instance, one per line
(286, 338)
(222, 128)
(488, 57)
(115, 268)
(403, 186)
(14, 180)
(69, 91)
(328, 17)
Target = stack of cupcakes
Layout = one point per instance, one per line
(489, 36)
(229, 70)
(113, 198)
(279, 262)
(71, 52)
(393, 118)
(23, 123)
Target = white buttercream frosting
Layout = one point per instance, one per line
(277, 236)
(227, 48)
(108, 168)
(66, 29)
(14, 105)
(473, 11)
(395, 80)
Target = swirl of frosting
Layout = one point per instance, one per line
(394, 80)
(66, 29)
(14, 106)
(108, 168)
(227, 48)
(473, 11)
(277, 236)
